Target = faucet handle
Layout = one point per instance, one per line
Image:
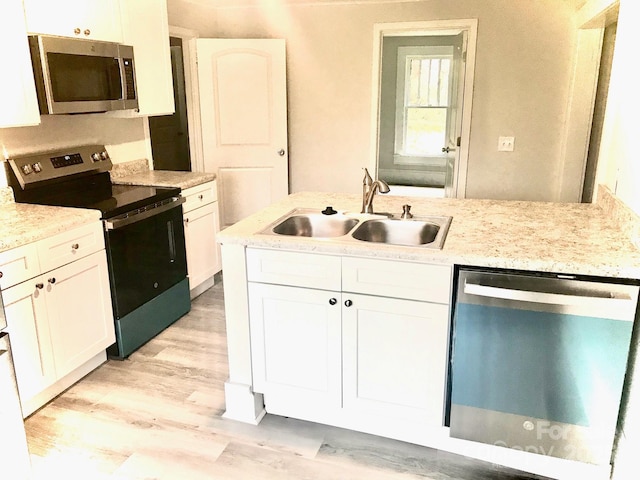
(406, 211)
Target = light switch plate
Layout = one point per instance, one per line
(505, 144)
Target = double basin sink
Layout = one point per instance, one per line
(422, 231)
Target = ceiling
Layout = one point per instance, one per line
(250, 3)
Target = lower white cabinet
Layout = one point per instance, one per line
(394, 357)
(201, 225)
(295, 344)
(326, 354)
(60, 321)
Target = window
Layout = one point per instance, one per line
(422, 102)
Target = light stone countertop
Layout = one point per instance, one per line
(569, 238)
(23, 223)
(165, 178)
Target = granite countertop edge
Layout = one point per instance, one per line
(517, 235)
(23, 223)
(165, 178)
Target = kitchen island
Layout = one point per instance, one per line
(293, 352)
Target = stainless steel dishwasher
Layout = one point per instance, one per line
(538, 362)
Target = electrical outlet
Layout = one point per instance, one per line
(505, 144)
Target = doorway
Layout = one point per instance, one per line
(170, 133)
(422, 95)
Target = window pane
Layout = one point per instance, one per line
(425, 131)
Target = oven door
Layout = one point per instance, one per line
(146, 252)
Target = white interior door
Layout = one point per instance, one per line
(454, 127)
(243, 109)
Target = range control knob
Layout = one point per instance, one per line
(104, 155)
(95, 157)
(37, 167)
(27, 169)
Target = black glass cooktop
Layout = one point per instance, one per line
(95, 192)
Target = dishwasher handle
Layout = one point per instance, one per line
(621, 303)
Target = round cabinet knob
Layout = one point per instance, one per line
(75, 246)
(348, 303)
(200, 197)
(40, 286)
(281, 152)
(52, 280)
(332, 301)
(1, 274)
(77, 31)
(87, 32)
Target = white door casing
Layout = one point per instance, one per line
(243, 109)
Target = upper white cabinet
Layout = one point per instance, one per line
(146, 27)
(19, 106)
(92, 19)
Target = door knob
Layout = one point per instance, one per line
(281, 152)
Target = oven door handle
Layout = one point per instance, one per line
(128, 218)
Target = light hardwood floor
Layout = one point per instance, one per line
(157, 415)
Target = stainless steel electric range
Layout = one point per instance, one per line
(144, 236)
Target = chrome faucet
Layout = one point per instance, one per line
(368, 194)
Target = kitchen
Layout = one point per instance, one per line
(307, 172)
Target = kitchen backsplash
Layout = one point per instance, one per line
(124, 137)
(625, 218)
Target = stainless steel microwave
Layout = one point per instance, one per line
(82, 76)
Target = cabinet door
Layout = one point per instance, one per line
(80, 315)
(395, 357)
(28, 325)
(17, 90)
(203, 253)
(145, 26)
(91, 19)
(296, 344)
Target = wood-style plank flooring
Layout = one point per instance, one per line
(157, 415)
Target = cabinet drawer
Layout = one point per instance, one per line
(294, 268)
(198, 196)
(413, 281)
(18, 264)
(69, 246)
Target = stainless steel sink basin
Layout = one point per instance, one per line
(429, 231)
(315, 225)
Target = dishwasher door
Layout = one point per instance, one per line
(538, 363)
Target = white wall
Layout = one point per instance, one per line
(619, 166)
(524, 60)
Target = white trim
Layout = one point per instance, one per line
(191, 90)
(437, 27)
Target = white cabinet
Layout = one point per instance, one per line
(60, 320)
(395, 358)
(295, 344)
(145, 26)
(201, 225)
(363, 338)
(91, 19)
(17, 89)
